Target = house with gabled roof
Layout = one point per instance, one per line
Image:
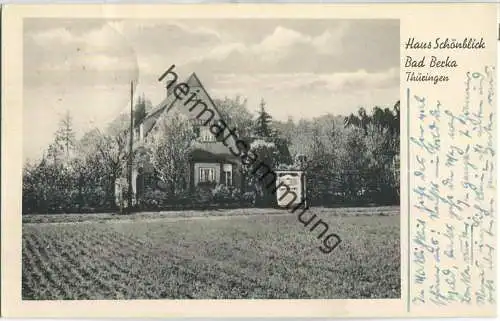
(210, 160)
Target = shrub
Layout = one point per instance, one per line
(93, 197)
(155, 198)
(203, 193)
(249, 198)
(207, 185)
(222, 194)
(236, 194)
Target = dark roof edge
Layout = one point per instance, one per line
(193, 74)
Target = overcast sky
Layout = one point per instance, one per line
(302, 68)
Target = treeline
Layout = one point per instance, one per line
(78, 175)
(349, 160)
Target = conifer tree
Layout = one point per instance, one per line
(263, 122)
(65, 136)
(140, 109)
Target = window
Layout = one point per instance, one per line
(227, 174)
(228, 178)
(207, 175)
(206, 135)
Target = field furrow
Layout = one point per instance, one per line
(28, 284)
(44, 276)
(80, 264)
(238, 282)
(127, 271)
(48, 254)
(258, 256)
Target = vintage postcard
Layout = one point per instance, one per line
(222, 160)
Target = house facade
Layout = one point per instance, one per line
(210, 161)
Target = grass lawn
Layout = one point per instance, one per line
(231, 255)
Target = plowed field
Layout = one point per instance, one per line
(264, 256)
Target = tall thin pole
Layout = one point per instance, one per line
(130, 146)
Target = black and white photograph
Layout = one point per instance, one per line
(211, 159)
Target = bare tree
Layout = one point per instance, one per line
(107, 151)
(168, 146)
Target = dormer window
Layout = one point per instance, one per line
(206, 135)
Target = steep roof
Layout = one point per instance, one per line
(170, 102)
(214, 148)
(194, 82)
(152, 117)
